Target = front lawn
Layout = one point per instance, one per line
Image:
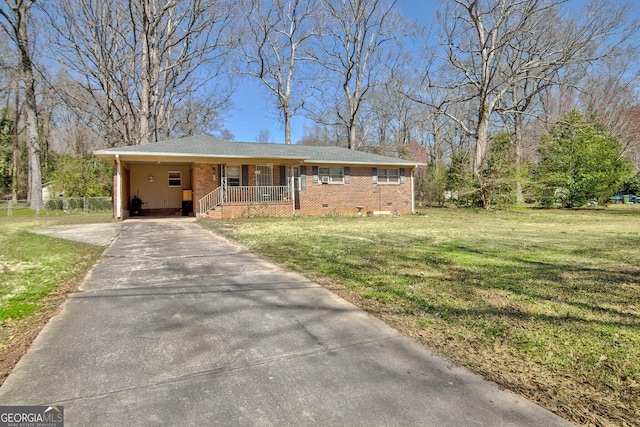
(36, 273)
(545, 303)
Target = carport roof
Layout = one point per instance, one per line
(209, 147)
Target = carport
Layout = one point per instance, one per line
(161, 186)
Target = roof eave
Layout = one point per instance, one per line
(128, 155)
(108, 155)
(362, 163)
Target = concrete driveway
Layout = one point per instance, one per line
(178, 326)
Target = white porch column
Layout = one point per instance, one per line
(292, 189)
(118, 192)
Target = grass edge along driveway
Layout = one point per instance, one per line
(36, 274)
(544, 303)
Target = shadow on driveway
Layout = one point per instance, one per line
(178, 326)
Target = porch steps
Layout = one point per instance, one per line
(214, 213)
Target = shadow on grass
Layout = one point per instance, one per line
(602, 295)
(554, 283)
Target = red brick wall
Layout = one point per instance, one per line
(251, 210)
(327, 199)
(317, 198)
(202, 182)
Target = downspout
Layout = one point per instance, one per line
(118, 188)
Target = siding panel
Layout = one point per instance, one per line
(158, 194)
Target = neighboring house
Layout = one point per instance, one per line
(49, 192)
(203, 175)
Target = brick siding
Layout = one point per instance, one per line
(327, 199)
(252, 210)
(202, 182)
(316, 199)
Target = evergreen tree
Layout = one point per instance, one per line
(80, 176)
(580, 162)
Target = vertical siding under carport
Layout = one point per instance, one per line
(158, 194)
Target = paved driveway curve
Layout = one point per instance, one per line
(178, 326)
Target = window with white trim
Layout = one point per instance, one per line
(175, 179)
(233, 176)
(388, 176)
(331, 175)
(264, 175)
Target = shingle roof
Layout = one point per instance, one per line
(211, 147)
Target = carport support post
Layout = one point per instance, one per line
(118, 188)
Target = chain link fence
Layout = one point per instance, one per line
(63, 206)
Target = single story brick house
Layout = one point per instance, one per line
(207, 176)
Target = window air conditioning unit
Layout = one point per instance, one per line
(325, 179)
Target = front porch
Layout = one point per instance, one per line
(247, 202)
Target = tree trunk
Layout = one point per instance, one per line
(517, 124)
(146, 76)
(16, 147)
(14, 172)
(352, 136)
(30, 107)
(482, 146)
(287, 128)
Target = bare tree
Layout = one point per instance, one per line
(76, 131)
(11, 114)
(358, 49)
(276, 49)
(573, 49)
(15, 24)
(395, 118)
(264, 136)
(139, 60)
(494, 46)
(320, 134)
(609, 97)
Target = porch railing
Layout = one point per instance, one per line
(257, 194)
(211, 200)
(245, 194)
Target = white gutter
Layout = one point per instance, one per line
(118, 188)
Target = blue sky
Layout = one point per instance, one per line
(253, 110)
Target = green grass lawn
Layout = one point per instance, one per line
(32, 266)
(546, 303)
(36, 272)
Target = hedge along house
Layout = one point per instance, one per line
(207, 176)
